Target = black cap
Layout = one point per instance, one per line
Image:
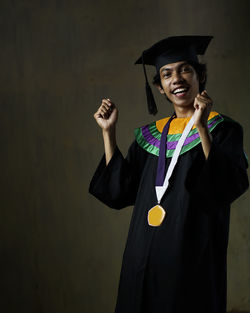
(170, 50)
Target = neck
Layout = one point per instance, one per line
(183, 111)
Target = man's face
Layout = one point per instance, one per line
(180, 83)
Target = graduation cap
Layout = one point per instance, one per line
(170, 50)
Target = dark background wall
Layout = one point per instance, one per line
(61, 249)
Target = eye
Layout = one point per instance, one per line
(186, 69)
(166, 75)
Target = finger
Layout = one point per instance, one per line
(204, 99)
(104, 111)
(107, 101)
(104, 105)
(103, 116)
(100, 111)
(205, 91)
(204, 94)
(200, 105)
(98, 115)
(196, 104)
(111, 104)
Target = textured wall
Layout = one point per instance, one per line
(60, 249)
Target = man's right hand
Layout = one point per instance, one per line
(107, 115)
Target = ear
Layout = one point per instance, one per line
(160, 89)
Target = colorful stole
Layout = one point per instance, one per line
(149, 136)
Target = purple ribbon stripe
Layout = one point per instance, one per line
(172, 144)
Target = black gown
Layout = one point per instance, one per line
(180, 266)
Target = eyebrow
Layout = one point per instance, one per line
(178, 66)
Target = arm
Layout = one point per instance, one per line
(106, 117)
(202, 105)
(223, 175)
(206, 139)
(109, 139)
(117, 183)
(116, 179)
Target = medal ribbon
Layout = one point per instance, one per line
(161, 184)
(162, 154)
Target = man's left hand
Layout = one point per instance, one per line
(202, 104)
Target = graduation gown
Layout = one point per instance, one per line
(180, 266)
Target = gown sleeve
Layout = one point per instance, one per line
(116, 184)
(223, 176)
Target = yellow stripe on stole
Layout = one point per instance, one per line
(178, 125)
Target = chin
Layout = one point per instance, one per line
(184, 103)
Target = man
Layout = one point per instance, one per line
(181, 174)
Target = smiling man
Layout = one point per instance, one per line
(181, 174)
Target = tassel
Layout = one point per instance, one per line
(152, 108)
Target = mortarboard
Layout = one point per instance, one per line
(170, 50)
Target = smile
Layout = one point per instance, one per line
(180, 92)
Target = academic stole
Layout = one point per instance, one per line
(157, 213)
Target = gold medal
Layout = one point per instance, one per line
(156, 215)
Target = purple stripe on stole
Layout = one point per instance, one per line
(172, 144)
(149, 137)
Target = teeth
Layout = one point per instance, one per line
(179, 90)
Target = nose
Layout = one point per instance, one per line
(177, 78)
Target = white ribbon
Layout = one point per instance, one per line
(160, 190)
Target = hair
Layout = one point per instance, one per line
(200, 69)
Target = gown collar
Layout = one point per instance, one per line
(149, 136)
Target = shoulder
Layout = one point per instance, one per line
(230, 125)
(229, 135)
(148, 136)
(230, 121)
